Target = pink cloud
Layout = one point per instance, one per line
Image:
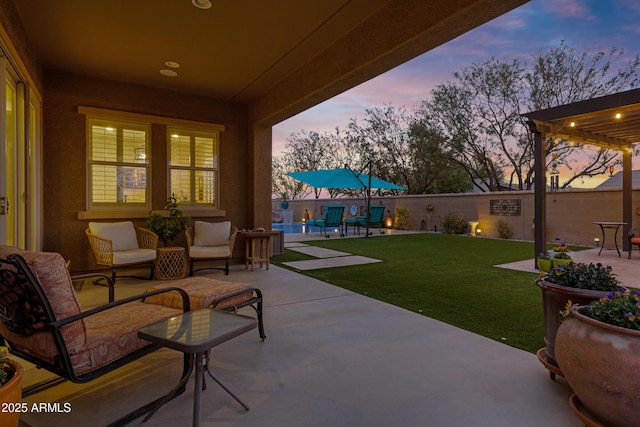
(568, 8)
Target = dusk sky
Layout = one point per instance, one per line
(538, 25)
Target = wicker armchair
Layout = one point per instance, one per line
(120, 244)
(210, 241)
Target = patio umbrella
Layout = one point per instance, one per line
(344, 178)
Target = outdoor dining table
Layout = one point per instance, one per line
(612, 225)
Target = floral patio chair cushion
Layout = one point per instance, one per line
(51, 271)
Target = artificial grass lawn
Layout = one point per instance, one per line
(446, 277)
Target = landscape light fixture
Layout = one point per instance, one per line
(389, 221)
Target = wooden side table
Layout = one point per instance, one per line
(261, 239)
(171, 263)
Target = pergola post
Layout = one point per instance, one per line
(627, 196)
(540, 190)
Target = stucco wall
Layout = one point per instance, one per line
(65, 153)
(570, 213)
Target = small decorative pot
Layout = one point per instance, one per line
(545, 264)
(601, 363)
(11, 393)
(285, 205)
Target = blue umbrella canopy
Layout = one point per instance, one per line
(342, 178)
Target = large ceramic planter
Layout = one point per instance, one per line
(554, 301)
(11, 393)
(601, 363)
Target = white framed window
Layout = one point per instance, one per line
(118, 164)
(193, 166)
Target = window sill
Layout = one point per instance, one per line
(137, 214)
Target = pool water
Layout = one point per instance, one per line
(295, 227)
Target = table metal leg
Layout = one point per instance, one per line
(615, 238)
(222, 384)
(152, 407)
(177, 390)
(197, 393)
(602, 245)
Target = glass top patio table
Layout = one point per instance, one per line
(195, 333)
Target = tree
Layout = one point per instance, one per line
(432, 170)
(304, 151)
(382, 138)
(563, 75)
(404, 151)
(481, 112)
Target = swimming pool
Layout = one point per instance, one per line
(296, 227)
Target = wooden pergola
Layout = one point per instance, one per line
(611, 121)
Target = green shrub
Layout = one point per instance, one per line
(504, 230)
(453, 223)
(402, 219)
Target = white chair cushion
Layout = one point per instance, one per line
(210, 251)
(133, 256)
(122, 234)
(211, 233)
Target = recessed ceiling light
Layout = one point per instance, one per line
(172, 64)
(202, 4)
(168, 73)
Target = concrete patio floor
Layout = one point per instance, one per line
(331, 358)
(626, 270)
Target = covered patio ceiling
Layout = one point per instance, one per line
(611, 121)
(279, 57)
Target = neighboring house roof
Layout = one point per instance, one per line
(616, 180)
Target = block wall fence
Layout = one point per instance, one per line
(570, 213)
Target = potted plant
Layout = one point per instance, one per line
(544, 262)
(577, 282)
(561, 255)
(284, 197)
(598, 350)
(170, 226)
(10, 389)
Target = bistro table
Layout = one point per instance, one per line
(195, 333)
(613, 225)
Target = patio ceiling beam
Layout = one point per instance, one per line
(585, 136)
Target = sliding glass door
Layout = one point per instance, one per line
(19, 148)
